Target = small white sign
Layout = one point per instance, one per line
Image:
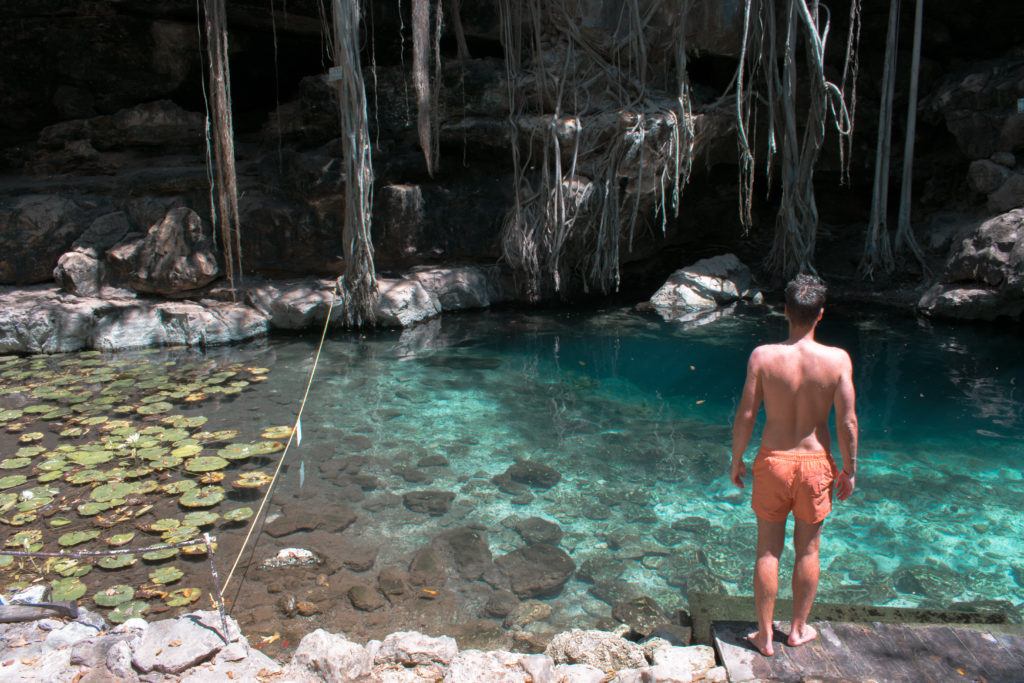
(335, 74)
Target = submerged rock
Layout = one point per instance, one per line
(434, 503)
(292, 557)
(537, 571)
(533, 473)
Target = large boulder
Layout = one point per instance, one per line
(984, 277)
(175, 257)
(537, 571)
(80, 271)
(35, 230)
(703, 286)
(600, 649)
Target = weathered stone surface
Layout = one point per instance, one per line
(365, 598)
(501, 603)
(34, 231)
(537, 571)
(539, 530)
(698, 660)
(472, 666)
(468, 549)
(642, 615)
(600, 649)
(434, 503)
(173, 645)
(392, 581)
(292, 304)
(426, 568)
(175, 256)
(79, 273)
(1009, 195)
(706, 284)
(409, 648)
(532, 473)
(986, 176)
(526, 613)
(404, 302)
(160, 124)
(462, 287)
(579, 673)
(331, 657)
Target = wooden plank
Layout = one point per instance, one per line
(999, 663)
(811, 658)
(743, 662)
(848, 662)
(928, 664)
(947, 648)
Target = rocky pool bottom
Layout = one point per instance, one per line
(501, 477)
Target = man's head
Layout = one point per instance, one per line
(805, 298)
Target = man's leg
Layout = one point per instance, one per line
(771, 536)
(806, 543)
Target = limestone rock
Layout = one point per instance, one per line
(538, 530)
(706, 284)
(433, 503)
(34, 231)
(698, 660)
(642, 615)
(392, 581)
(600, 649)
(526, 613)
(1009, 195)
(158, 124)
(365, 598)
(292, 304)
(579, 673)
(471, 666)
(460, 287)
(175, 256)
(409, 648)
(532, 473)
(468, 549)
(426, 568)
(173, 645)
(404, 302)
(78, 273)
(537, 571)
(501, 603)
(331, 657)
(985, 176)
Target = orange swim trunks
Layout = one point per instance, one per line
(801, 481)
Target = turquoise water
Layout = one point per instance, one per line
(635, 414)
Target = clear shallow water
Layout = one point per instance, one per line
(635, 415)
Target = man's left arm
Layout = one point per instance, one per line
(746, 416)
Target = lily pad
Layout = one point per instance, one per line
(23, 539)
(200, 518)
(120, 539)
(280, 432)
(67, 566)
(180, 535)
(116, 561)
(137, 472)
(70, 588)
(166, 524)
(213, 437)
(12, 480)
(165, 575)
(205, 463)
(94, 508)
(128, 610)
(212, 478)
(72, 432)
(29, 437)
(152, 453)
(203, 497)
(252, 480)
(76, 537)
(154, 408)
(108, 492)
(178, 487)
(58, 522)
(238, 514)
(240, 451)
(90, 458)
(156, 555)
(12, 414)
(85, 477)
(165, 462)
(29, 451)
(16, 463)
(142, 487)
(182, 597)
(114, 596)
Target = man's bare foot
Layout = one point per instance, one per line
(762, 644)
(804, 634)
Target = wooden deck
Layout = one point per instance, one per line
(877, 651)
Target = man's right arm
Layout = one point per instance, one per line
(846, 426)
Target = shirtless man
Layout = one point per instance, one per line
(799, 381)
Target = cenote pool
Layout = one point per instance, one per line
(620, 424)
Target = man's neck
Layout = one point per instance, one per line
(798, 333)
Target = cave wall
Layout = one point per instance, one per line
(104, 103)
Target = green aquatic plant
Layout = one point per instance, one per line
(165, 575)
(206, 496)
(77, 537)
(69, 588)
(238, 514)
(207, 463)
(128, 610)
(182, 597)
(116, 561)
(114, 596)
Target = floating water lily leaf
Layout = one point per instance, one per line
(182, 597)
(142, 487)
(180, 535)
(116, 561)
(12, 414)
(197, 396)
(114, 596)
(205, 463)
(90, 509)
(12, 480)
(155, 555)
(120, 539)
(166, 524)
(6, 561)
(165, 575)
(29, 451)
(58, 522)
(128, 610)
(90, 458)
(240, 451)
(203, 497)
(94, 420)
(178, 487)
(70, 588)
(200, 518)
(151, 453)
(173, 435)
(109, 492)
(151, 399)
(137, 472)
(280, 432)
(212, 478)
(37, 409)
(66, 566)
(258, 371)
(238, 514)
(29, 437)
(76, 537)
(52, 465)
(213, 437)
(72, 432)
(34, 503)
(186, 422)
(24, 538)
(54, 414)
(85, 477)
(22, 518)
(154, 408)
(252, 480)
(198, 548)
(16, 463)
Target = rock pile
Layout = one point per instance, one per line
(193, 648)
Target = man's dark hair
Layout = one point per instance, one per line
(805, 297)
